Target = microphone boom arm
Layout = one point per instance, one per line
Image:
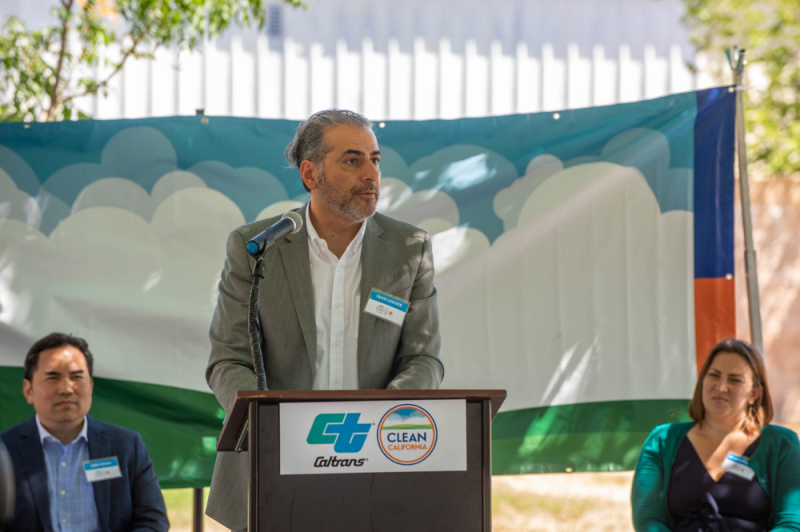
(254, 326)
(290, 223)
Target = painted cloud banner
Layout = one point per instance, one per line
(581, 262)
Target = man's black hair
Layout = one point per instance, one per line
(53, 341)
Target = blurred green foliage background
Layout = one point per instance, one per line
(770, 32)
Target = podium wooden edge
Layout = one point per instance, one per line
(234, 423)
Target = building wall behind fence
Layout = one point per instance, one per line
(776, 217)
(412, 59)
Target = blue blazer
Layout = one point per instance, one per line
(130, 503)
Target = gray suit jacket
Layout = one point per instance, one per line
(396, 258)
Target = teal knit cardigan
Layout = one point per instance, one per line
(776, 463)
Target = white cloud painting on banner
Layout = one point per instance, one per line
(564, 306)
(140, 271)
(591, 287)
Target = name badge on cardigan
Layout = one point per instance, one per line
(386, 307)
(102, 469)
(738, 465)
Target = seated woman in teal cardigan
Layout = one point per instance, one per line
(727, 471)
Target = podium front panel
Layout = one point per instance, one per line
(369, 502)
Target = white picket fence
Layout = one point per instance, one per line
(413, 59)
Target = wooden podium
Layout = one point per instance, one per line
(436, 501)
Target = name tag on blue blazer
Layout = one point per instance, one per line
(102, 469)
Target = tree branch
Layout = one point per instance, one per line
(54, 93)
(116, 70)
(77, 64)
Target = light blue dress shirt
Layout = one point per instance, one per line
(72, 506)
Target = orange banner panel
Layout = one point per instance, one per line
(714, 314)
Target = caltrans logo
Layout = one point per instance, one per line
(342, 430)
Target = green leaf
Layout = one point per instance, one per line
(768, 30)
(26, 78)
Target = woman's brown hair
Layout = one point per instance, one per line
(760, 413)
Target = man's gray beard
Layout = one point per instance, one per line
(344, 201)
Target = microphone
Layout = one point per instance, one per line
(289, 224)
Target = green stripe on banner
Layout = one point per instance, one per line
(604, 436)
(179, 427)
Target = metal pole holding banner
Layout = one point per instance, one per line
(737, 62)
(197, 514)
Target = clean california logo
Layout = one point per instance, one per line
(407, 434)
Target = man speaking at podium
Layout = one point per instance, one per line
(348, 302)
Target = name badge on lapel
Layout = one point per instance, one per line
(386, 307)
(102, 469)
(738, 465)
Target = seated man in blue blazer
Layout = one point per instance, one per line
(116, 491)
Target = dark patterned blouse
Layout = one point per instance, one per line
(699, 504)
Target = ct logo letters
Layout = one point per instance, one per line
(342, 430)
(407, 434)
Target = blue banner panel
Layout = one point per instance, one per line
(714, 136)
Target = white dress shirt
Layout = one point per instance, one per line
(337, 296)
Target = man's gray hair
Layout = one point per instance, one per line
(309, 139)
